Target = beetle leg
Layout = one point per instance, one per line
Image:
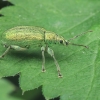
(51, 52)
(7, 50)
(18, 48)
(43, 57)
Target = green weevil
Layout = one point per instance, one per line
(21, 38)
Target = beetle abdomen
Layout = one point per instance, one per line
(24, 33)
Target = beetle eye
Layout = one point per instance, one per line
(61, 41)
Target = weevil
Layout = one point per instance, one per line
(21, 38)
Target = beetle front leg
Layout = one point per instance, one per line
(43, 57)
(50, 51)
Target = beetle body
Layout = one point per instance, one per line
(22, 38)
(30, 36)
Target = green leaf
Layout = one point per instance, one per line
(79, 66)
(5, 90)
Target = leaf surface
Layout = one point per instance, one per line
(79, 66)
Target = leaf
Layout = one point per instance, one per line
(5, 89)
(79, 65)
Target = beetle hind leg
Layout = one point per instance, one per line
(7, 50)
(15, 47)
(18, 48)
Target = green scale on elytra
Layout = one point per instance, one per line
(22, 38)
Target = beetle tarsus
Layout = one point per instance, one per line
(59, 74)
(43, 70)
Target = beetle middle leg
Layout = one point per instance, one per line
(15, 47)
(43, 57)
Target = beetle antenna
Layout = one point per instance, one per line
(79, 35)
(67, 42)
(79, 45)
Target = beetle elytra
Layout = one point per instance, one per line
(21, 38)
